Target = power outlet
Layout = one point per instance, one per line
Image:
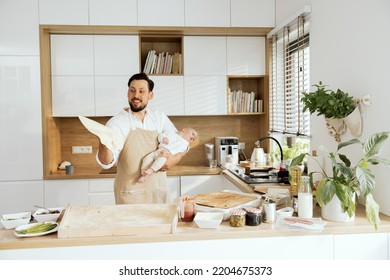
(81, 149)
(241, 145)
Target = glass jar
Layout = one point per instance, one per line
(187, 208)
(253, 216)
(237, 218)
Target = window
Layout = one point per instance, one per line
(290, 76)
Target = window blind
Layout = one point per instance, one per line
(290, 76)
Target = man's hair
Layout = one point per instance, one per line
(141, 76)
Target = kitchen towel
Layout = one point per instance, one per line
(108, 136)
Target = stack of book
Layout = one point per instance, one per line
(163, 63)
(244, 102)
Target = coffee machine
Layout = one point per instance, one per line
(226, 150)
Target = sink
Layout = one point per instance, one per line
(257, 177)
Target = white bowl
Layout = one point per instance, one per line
(42, 215)
(285, 212)
(208, 219)
(10, 221)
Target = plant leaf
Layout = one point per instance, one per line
(372, 211)
(366, 180)
(298, 159)
(325, 192)
(344, 159)
(374, 143)
(379, 160)
(347, 143)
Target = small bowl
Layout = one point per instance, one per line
(285, 212)
(42, 215)
(10, 221)
(208, 219)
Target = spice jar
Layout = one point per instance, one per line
(253, 216)
(237, 218)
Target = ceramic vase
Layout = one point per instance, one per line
(354, 122)
(333, 212)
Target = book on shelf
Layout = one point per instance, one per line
(244, 102)
(163, 63)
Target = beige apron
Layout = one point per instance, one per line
(127, 190)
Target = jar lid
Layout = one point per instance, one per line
(238, 212)
(252, 210)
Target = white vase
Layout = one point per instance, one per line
(333, 212)
(335, 127)
(354, 122)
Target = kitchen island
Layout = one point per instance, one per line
(355, 240)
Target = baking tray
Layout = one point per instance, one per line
(226, 211)
(116, 220)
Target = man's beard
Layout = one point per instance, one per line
(137, 109)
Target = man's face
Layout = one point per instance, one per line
(139, 95)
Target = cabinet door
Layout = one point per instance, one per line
(101, 191)
(168, 94)
(110, 94)
(246, 55)
(19, 31)
(71, 12)
(161, 13)
(60, 193)
(114, 12)
(205, 95)
(371, 246)
(253, 13)
(207, 13)
(21, 123)
(204, 55)
(193, 185)
(227, 185)
(20, 196)
(115, 55)
(173, 192)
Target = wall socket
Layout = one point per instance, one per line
(241, 145)
(81, 149)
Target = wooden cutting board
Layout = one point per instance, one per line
(223, 200)
(114, 220)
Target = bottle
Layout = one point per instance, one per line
(295, 179)
(305, 198)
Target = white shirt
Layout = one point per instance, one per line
(124, 121)
(176, 144)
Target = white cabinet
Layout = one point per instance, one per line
(168, 94)
(20, 196)
(173, 192)
(253, 13)
(204, 55)
(101, 191)
(19, 31)
(90, 73)
(207, 13)
(113, 12)
(370, 246)
(193, 185)
(71, 12)
(205, 95)
(60, 193)
(20, 114)
(161, 13)
(227, 185)
(246, 56)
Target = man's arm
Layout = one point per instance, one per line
(105, 155)
(172, 160)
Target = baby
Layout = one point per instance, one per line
(172, 142)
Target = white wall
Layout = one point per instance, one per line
(349, 50)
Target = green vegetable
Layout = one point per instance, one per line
(38, 228)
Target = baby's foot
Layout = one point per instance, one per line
(148, 172)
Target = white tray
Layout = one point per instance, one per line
(226, 212)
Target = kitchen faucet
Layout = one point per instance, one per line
(283, 173)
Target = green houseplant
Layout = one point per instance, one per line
(350, 182)
(326, 102)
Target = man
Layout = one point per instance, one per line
(139, 127)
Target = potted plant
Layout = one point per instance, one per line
(334, 106)
(349, 182)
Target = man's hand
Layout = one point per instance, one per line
(172, 160)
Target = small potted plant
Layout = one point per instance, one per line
(334, 106)
(349, 182)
